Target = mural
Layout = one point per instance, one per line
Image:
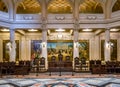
(65, 48)
(36, 49)
(113, 49)
(84, 49)
(6, 50)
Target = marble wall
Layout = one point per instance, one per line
(25, 43)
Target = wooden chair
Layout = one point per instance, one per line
(77, 65)
(53, 58)
(42, 64)
(67, 58)
(84, 65)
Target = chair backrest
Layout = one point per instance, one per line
(36, 61)
(76, 60)
(98, 62)
(42, 61)
(53, 58)
(67, 58)
(83, 60)
(21, 62)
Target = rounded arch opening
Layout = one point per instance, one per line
(90, 6)
(3, 7)
(116, 6)
(59, 7)
(29, 7)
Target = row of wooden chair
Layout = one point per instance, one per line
(108, 68)
(11, 68)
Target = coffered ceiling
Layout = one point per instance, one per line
(90, 6)
(58, 7)
(3, 7)
(116, 7)
(29, 6)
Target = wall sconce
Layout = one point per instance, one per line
(43, 44)
(109, 44)
(77, 44)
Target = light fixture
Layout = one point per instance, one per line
(60, 35)
(60, 30)
(109, 44)
(77, 44)
(5, 30)
(87, 29)
(114, 29)
(43, 44)
(32, 30)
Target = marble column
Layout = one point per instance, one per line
(12, 45)
(44, 31)
(76, 28)
(44, 46)
(107, 54)
(76, 44)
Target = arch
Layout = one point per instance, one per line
(28, 7)
(90, 6)
(60, 6)
(3, 6)
(116, 6)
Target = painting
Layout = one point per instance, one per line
(6, 56)
(84, 49)
(113, 49)
(36, 49)
(65, 48)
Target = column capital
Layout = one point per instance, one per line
(107, 28)
(76, 24)
(76, 35)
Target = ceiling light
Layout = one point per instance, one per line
(60, 30)
(114, 29)
(87, 30)
(5, 30)
(32, 30)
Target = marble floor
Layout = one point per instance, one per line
(65, 80)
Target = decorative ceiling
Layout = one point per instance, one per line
(3, 7)
(29, 7)
(116, 7)
(90, 6)
(59, 6)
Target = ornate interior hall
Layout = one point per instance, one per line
(56, 36)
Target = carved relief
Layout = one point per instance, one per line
(91, 17)
(44, 23)
(76, 23)
(61, 37)
(28, 17)
(59, 17)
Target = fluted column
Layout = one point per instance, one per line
(12, 45)
(107, 45)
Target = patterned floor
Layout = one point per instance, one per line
(65, 82)
(44, 80)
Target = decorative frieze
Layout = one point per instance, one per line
(60, 36)
(28, 17)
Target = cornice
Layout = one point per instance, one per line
(57, 20)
